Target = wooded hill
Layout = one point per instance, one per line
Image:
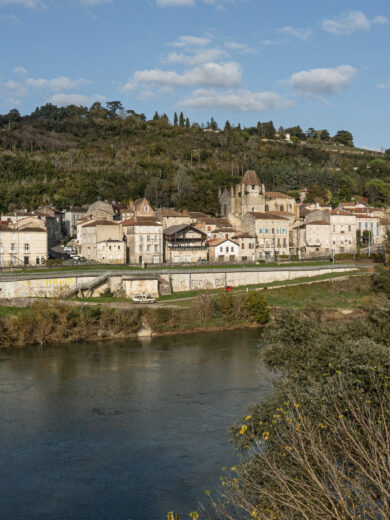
(74, 155)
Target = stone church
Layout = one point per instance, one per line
(247, 196)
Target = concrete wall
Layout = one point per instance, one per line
(55, 286)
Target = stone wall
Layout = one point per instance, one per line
(19, 286)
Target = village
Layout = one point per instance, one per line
(253, 226)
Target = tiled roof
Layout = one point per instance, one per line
(318, 223)
(172, 230)
(243, 235)
(251, 178)
(95, 223)
(141, 221)
(277, 195)
(266, 216)
(341, 212)
(216, 241)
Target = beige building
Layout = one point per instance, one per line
(137, 208)
(23, 243)
(94, 232)
(318, 238)
(144, 238)
(342, 232)
(100, 210)
(272, 234)
(111, 252)
(171, 217)
(185, 244)
(223, 250)
(279, 202)
(366, 223)
(247, 246)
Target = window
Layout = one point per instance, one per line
(37, 260)
(27, 247)
(232, 249)
(146, 209)
(42, 260)
(266, 208)
(13, 247)
(227, 250)
(155, 248)
(349, 228)
(243, 246)
(26, 237)
(260, 231)
(281, 207)
(26, 260)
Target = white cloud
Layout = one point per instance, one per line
(14, 88)
(198, 57)
(20, 70)
(60, 83)
(242, 100)
(302, 33)
(23, 3)
(181, 3)
(384, 85)
(240, 47)
(190, 41)
(352, 21)
(95, 2)
(322, 81)
(205, 75)
(63, 99)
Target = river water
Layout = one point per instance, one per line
(123, 429)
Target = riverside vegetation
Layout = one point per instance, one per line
(44, 322)
(318, 447)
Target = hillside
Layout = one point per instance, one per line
(84, 155)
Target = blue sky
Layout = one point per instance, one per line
(308, 62)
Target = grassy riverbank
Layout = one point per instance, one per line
(50, 321)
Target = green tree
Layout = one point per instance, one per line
(188, 124)
(257, 306)
(113, 108)
(181, 120)
(175, 119)
(344, 137)
(227, 126)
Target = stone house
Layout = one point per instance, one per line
(318, 237)
(144, 239)
(137, 208)
(279, 202)
(53, 219)
(184, 243)
(24, 243)
(111, 252)
(272, 234)
(71, 217)
(366, 223)
(247, 246)
(342, 231)
(97, 231)
(100, 210)
(171, 217)
(223, 250)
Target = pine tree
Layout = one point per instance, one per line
(175, 119)
(227, 126)
(188, 125)
(181, 120)
(156, 117)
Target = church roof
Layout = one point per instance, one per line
(251, 178)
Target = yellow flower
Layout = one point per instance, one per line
(297, 405)
(194, 515)
(233, 468)
(248, 417)
(244, 428)
(338, 372)
(289, 448)
(207, 491)
(266, 436)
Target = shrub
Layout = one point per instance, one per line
(257, 307)
(107, 293)
(381, 281)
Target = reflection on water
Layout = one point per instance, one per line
(121, 430)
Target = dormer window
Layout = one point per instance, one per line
(146, 209)
(253, 187)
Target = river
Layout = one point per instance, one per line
(124, 429)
